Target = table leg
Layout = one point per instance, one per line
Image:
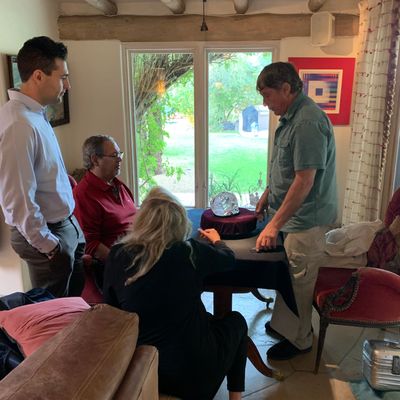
(256, 293)
(222, 301)
(254, 356)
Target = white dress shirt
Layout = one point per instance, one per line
(34, 185)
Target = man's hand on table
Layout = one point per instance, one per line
(211, 234)
(267, 238)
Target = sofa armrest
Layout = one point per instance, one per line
(141, 379)
(87, 360)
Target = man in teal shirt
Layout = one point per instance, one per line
(302, 191)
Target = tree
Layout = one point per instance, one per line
(153, 74)
(232, 85)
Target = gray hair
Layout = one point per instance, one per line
(276, 74)
(93, 145)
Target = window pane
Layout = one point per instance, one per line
(163, 95)
(238, 126)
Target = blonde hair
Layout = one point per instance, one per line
(160, 222)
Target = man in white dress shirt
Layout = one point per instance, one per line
(35, 193)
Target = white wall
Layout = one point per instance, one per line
(96, 97)
(19, 21)
(342, 47)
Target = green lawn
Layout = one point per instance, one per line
(241, 166)
(237, 163)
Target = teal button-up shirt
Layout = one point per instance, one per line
(304, 140)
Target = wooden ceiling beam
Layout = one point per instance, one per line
(176, 6)
(107, 7)
(130, 28)
(315, 5)
(241, 6)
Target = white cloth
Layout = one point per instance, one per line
(34, 185)
(347, 247)
(353, 239)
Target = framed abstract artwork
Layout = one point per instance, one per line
(329, 82)
(57, 114)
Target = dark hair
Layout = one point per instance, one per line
(94, 145)
(276, 74)
(39, 53)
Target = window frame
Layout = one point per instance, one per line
(200, 51)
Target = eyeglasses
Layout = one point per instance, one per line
(119, 154)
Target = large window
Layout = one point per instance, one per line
(163, 91)
(238, 125)
(197, 124)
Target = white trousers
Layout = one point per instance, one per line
(305, 252)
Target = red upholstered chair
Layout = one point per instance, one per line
(384, 248)
(367, 297)
(90, 293)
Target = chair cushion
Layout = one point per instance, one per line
(33, 324)
(86, 360)
(375, 300)
(329, 281)
(90, 292)
(382, 250)
(393, 208)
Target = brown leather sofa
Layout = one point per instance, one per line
(94, 358)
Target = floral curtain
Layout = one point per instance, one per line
(373, 107)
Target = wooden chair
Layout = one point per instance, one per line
(367, 297)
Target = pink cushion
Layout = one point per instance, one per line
(32, 325)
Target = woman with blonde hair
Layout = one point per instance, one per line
(157, 272)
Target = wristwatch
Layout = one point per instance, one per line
(50, 255)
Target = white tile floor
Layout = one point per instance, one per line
(341, 358)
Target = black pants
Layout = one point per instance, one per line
(63, 275)
(225, 355)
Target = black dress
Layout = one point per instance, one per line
(196, 351)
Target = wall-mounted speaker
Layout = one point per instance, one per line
(322, 29)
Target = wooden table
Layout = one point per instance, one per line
(252, 271)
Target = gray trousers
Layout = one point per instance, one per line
(306, 254)
(62, 275)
